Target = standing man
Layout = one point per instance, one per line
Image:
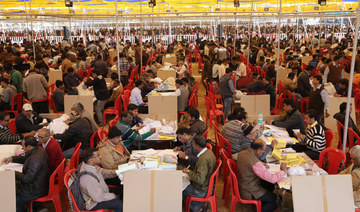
(8, 93)
(303, 82)
(227, 91)
(52, 148)
(333, 73)
(35, 86)
(318, 99)
(252, 171)
(183, 95)
(16, 77)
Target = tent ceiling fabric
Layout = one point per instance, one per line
(133, 6)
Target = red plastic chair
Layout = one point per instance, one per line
(50, 90)
(278, 105)
(226, 190)
(66, 180)
(114, 121)
(212, 98)
(74, 160)
(54, 189)
(304, 105)
(19, 101)
(329, 135)
(211, 194)
(102, 133)
(224, 143)
(92, 139)
(335, 157)
(125, 101)
(206, 133)
(212, 111)
(235, 196)
(217, 146)
(209, 146)
(340, 128)
(52, 104)
(12, 126)
(116, 110)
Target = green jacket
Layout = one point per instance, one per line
(204, 168)
(130, 136)
(16, 79)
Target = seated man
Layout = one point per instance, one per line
(354, 170)
(78, 107)
(131, 138)
(187, 154)
(79, 131)
(28, 120)
(34, 177)
(200, 176)
(340, 116)
(6, 136)
(133, 110)
(251, 171)
(112, 150)
(314, 141)
(52, 148)
(93, 187)
(292, 120)
(250, 134)
(136, 98)
(58, 96)
(71, 81)
(116, 91)
(7, 94)
(232, 130)
(196, 125)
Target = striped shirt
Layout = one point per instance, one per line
(7, 137)
(130, 136)
(315, 137)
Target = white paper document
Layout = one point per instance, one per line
(11, 167)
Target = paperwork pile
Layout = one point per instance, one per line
(290, 159)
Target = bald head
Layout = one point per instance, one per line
(258, 146)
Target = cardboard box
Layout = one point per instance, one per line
(167, 117)
(8, 191)
(326, 193)
(54, 75)
(335, 102)
(152, 191)
(162, 105)
(8, 150)
(164, 74)
(171, 60)
(87, 101)
(306, 59)
(254, 104)
(283, 72)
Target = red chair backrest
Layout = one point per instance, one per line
(335, 157)
(209, 146)
(192, 99)
(224, 143)
(352, 137)
(66, 181)
(117, 105)
(329, 135)
(50, 90)
(56, 176)
(232, 166)
(114, 121)
(19, 102)
(125, 101)
(357, 99)
(213, 180)
(340, 128)
(94, 136)
(102, 133)
(12, 126)
(74, 161)
(206, 133)
(304, 104)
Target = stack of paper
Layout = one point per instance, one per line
(290, 159)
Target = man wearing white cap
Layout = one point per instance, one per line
(28, 120)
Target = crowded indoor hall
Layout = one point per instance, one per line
(179, 105)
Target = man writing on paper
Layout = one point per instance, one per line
(131, 138)
(354, 170)
(6, 136)
(187, 152)
(252, 171)
(200, 176)
(314, 141)
(292, 120)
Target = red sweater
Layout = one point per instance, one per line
(55, 155)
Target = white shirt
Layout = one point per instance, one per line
(241, 70)
(45, 145)
(135, 97)
(222, 70)
(201, 152)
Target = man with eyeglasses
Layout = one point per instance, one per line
(6, 136)
(96, 193)
(52, 148)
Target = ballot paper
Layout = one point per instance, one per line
(185, 181)
(143, 153)
(149, 125)
(279, 133)
(11, 167)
